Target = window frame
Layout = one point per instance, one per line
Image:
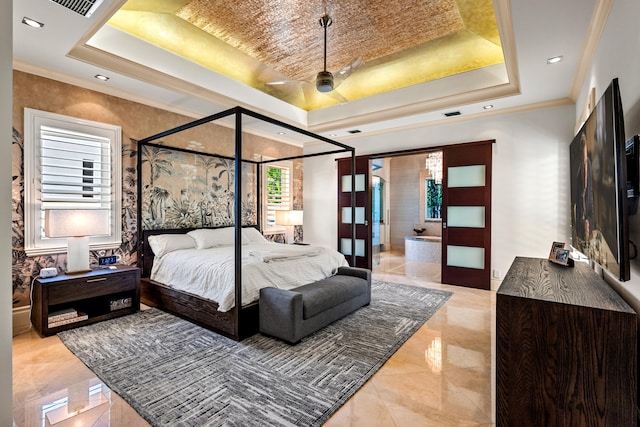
(275, 229)
(34, 241)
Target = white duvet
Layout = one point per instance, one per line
(209, 273)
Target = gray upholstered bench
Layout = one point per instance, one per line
(295, 313)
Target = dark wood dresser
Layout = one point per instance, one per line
(565, 348)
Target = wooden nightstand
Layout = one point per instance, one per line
(99, 294)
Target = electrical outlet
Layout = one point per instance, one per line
(495, 273)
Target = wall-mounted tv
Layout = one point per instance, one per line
(599, 212)
(632, 149)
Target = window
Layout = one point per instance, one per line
(70, 163)
(277, 191)
(377, 196)
(431, 187)
(433, 196)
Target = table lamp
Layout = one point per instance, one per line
(289, 219)
(76, 225)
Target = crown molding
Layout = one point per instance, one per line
(458, 119)
(596, 27)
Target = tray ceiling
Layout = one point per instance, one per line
(402, 43)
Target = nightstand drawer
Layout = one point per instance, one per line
(89, 287)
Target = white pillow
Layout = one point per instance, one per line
(212, 237)
(252, 235)
(164, 243)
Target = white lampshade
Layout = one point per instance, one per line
(289, 217)
(76, 225)
(76, 222)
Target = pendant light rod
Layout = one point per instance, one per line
(325, 21)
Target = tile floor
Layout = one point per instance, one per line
(442, 376)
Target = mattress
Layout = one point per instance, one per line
(210, 273)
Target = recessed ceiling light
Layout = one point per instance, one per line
(333, 135)
(101, 77)
(488, 107)
(555, 59)
(282, 133)
(32, 22)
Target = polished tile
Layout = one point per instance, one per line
(442, 376)
(53, 387)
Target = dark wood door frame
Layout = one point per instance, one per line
(425, 150)
(479, 154)
(352, 199)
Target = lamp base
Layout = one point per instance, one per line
(78, 255)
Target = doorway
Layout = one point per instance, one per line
(438, 214)
(407, 195)
(378, 226)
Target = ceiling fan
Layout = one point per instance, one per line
(325, 80)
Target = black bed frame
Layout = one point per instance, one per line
(237, 323)
(194, 308)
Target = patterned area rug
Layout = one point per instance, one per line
(175, 373)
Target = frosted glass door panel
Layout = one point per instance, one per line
(345, 247)
(465, 216)
(465, 256)
(346, 215)
(466, 176)
(346, 183)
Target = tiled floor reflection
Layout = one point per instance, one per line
(51, 387)
(444, 374)
(441, 376)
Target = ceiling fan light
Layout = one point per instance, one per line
(324, 81)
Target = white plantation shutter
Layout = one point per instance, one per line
(75, 170)
(70, 164)
(277, 191)
(278, 195)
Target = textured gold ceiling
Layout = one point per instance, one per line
(256, 42)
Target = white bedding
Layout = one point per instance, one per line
(210, 272)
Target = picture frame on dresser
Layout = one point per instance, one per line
(558, 254)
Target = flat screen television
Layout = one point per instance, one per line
(632, 150)
(599, 205)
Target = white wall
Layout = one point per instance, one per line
(530, 178)
(618, 55)
(6, 289)
(405, 197)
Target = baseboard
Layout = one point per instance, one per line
(21, 320)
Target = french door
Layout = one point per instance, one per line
(358, 255)
(466, 215)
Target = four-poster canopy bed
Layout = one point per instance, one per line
(236, 222)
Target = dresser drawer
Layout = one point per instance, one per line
(89, 287)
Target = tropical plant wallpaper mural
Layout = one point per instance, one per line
(182, 189)
(195, 190)
(25, 268)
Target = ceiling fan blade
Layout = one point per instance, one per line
(346, 71)
(286, 82)
(337, 96)
(311, 80)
